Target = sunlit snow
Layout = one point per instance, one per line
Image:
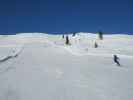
(37, 66)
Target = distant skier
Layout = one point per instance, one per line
(116, 58)
(67, 40)
(63, 36)
(100, 33)
(95, 45)
(73, 34)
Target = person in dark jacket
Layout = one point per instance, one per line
(63, 36)
(95, 45)
(67, 40)
(73, 34)
(116, 60)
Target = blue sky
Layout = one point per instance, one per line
(110, 16)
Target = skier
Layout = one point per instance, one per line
(116, 60)
(100, 33)
(63, 36)
(95, 45)
(67, 40)
(73, 34)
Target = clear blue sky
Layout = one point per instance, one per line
(111, 16)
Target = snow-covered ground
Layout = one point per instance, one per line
(41, 67)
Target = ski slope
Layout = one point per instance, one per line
(37, 66)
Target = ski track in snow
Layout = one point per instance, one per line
(14, 53)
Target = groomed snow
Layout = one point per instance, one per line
(37, 66)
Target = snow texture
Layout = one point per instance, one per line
(37, 66)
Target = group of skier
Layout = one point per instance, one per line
(115, 57)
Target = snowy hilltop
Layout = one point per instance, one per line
(79, 66)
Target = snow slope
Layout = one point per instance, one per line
(41, 67)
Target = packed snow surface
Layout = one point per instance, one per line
(37, 66)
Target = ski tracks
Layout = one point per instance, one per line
(7, 61)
